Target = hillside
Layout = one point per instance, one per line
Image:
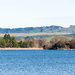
(47, 29)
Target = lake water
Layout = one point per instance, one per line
(37, 62)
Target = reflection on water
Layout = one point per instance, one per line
(37, 62)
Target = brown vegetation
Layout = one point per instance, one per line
(32, 34)
(60, 42)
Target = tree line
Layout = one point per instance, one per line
(56, 43)
(9, 41)
(60, 43)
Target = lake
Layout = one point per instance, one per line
(37, 62)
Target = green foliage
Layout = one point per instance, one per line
(8, 41)
(2, 43)
(68, 43)
(31, 43)
(14, 43)
(24, 45)
(21, 44)
(12, 38)
(58, 45)
(6, 37)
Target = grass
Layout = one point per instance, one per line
(48, 36)
(33, 34)
(51, 37)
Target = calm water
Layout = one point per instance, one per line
(37, 62)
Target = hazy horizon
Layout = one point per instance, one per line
(36, 13)
(37, 26)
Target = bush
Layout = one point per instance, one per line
(58, 45)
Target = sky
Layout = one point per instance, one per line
(35, 13)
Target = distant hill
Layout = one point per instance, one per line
(49, 29)
(72, 25)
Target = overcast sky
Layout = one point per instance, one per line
(32, 13)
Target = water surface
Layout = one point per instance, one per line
(38, 62)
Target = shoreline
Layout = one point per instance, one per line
(28, 49)
(21, 48)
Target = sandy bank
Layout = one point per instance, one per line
(21, 48)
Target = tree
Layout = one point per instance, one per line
(58, 45)
(73, 42)
(2, 43)
(25, 45)
(21, 44)
(14, 43)
(31, 43)
(12, 38)
(7, 36)
(40, 42)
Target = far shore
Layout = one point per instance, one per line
(28, 49)
(21, 48)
